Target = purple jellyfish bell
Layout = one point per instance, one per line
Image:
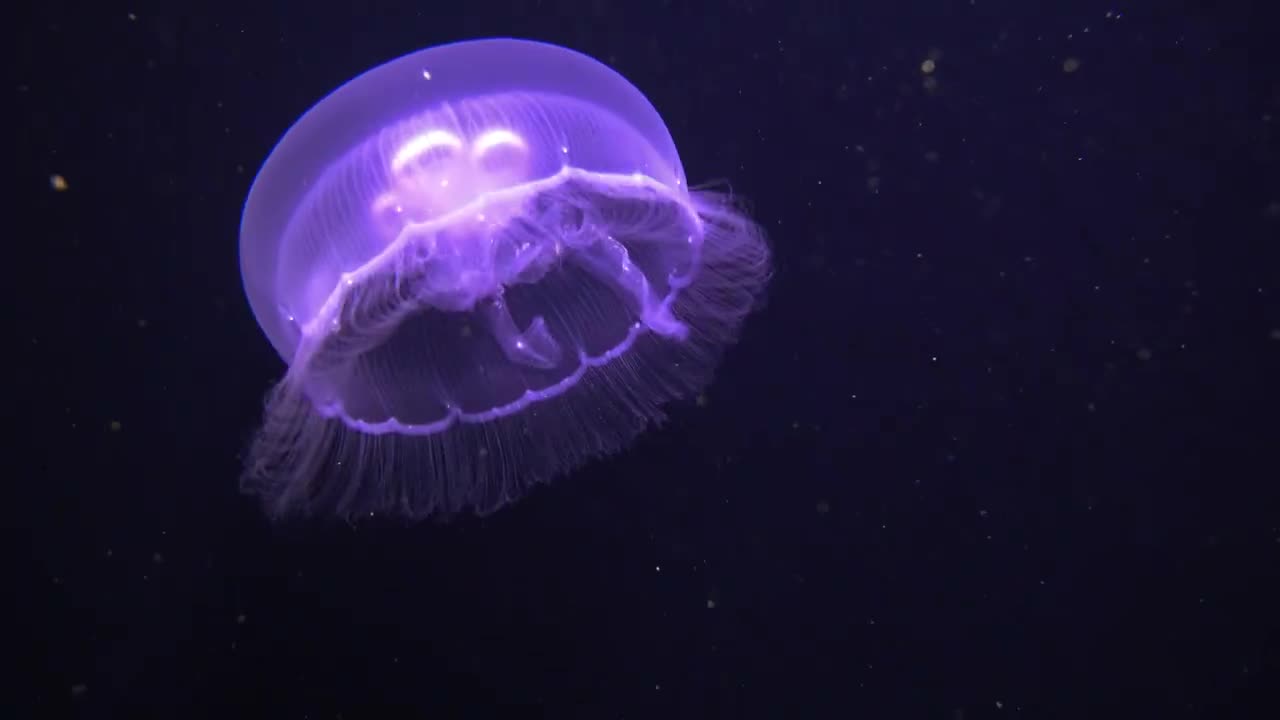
(484, 268)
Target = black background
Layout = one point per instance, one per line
(1003, 441)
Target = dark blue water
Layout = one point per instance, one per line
(1001, 443)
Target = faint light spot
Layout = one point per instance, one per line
(824, 507)
(1070, 65)
(1144, 354)
(701, 401)
(240, 619)
(115, 426)
(928, 66)
(157, 558)
(58, 183)
(79, 689)
(711, 604)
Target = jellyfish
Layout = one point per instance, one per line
(483, 268)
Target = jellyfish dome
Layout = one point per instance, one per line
(483, 267)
